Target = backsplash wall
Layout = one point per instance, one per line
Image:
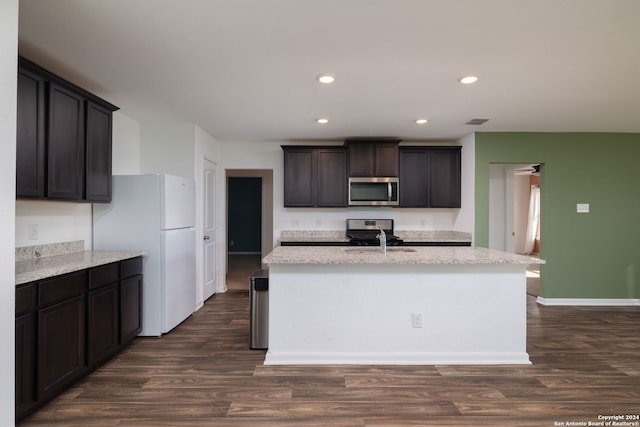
(268, 155)
(55, 221)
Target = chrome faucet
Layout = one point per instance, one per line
(383, 240)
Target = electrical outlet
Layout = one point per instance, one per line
(416, 320)
(33, 232)
(582, 208)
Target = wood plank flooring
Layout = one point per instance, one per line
(586, 363)
(239, 268)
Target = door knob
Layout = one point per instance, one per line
(206, 237)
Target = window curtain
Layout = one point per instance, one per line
(534, 218)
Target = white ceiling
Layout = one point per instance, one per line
(243, 70)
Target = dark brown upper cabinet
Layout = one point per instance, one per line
(315, 176)
(63, 139)
(373, 157)
(299, 173)
(30, 135)
(430, 177)
(331, 177)
(65, 144)
(98, 156)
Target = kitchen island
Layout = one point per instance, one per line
(412, 305)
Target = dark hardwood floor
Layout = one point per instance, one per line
(586, 363)
(239, 268)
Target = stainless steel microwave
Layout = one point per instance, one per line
(373, 191)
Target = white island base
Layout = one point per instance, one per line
(405, 314)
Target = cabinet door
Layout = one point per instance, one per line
(386, 160)
(30, 148)
(25, 363)
(102, 324)
(130, 308)
(61, 346)
(98, 149)
(444, 178)
(332, 178)
(299, 182)
(414, 177)
(65, 173)
(361, 159)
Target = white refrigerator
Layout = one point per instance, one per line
(156, 214)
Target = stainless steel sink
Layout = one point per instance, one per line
(376, 250)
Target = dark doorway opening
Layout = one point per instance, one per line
(244, 231)
(245, 215)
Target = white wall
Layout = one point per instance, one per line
(126, 145)
(56, 222)
(465, 216)
(268, 155)
(497, 207)
(8, 91)
(167, 148)
(521, 191)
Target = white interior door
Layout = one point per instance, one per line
(210, 272)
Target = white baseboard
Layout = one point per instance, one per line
(396, 358)
(589, 301)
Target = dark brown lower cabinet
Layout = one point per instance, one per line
(25, 362)
(61, 349)
(130, 308)
(102, 324)
(68, 325)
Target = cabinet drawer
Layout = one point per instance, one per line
(130, 267)
(61, 288)
(103, 275)
(25, 299)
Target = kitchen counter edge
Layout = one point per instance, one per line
(35, 269)
(441, 255)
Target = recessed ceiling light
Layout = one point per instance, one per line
(421, 121)
(322, 120)
(467, 80)
(325, 78)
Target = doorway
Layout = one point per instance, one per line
(249, 214)
(514, 213)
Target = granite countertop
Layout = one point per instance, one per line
(394, 255)
(433, 236)
(63, 258)
(407, 235)
(313, 236)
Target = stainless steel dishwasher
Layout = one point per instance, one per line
(259, 307)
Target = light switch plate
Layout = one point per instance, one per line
(582, 208)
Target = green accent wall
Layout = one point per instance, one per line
(594, 255)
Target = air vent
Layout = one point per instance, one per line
(477, 121)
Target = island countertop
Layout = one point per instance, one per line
(395, 255)
(33, 269)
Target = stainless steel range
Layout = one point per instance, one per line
(364, 232)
